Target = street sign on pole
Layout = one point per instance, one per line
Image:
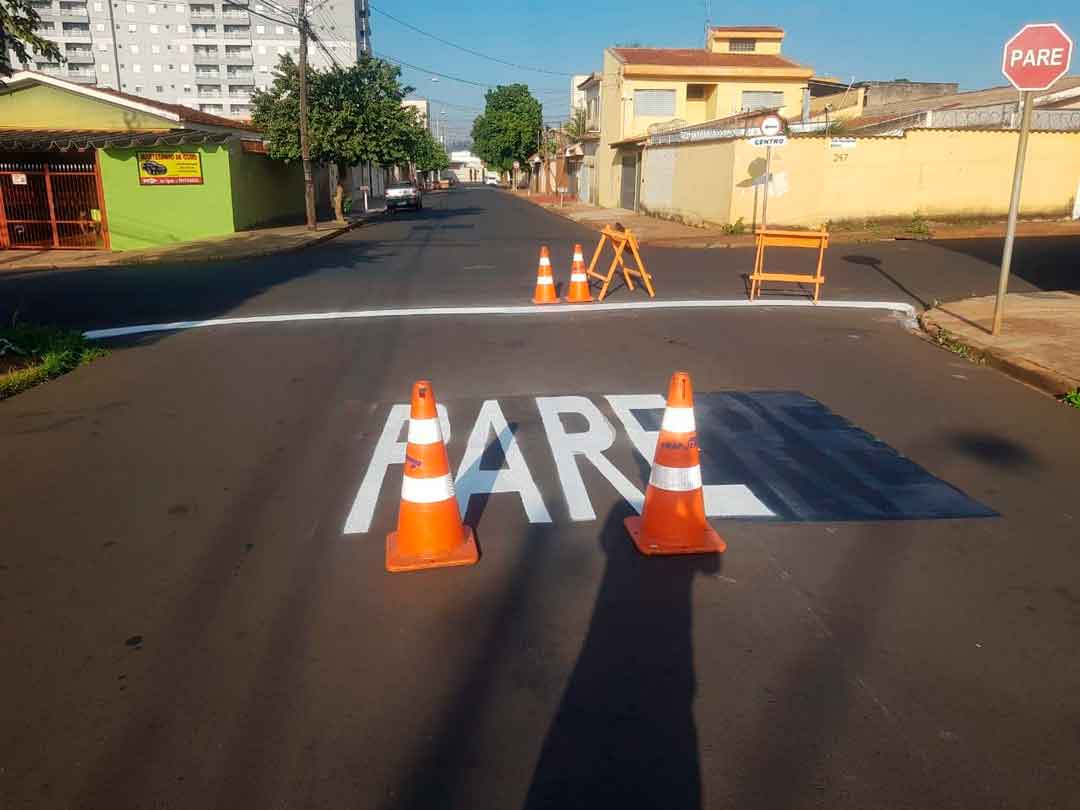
(1032, 60)
(771, 125)
(768, 140)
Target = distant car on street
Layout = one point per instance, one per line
(491, 181)
(404, 195)
(155, 168)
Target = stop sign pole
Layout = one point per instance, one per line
(1036, 57)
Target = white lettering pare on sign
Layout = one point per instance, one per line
(1037, 57)
(571, 450)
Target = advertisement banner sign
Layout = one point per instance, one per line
(170, 169)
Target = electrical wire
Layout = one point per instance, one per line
(467, 50)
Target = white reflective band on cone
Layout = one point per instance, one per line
(678, 420)
(427, 490)
(424, 431)
(578, 277)
(578, 257)
(545, 261)
(675, 479)
(542, 280)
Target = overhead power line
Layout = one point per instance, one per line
(467, 50)
(434, 72)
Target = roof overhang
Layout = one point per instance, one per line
(62, 140)
(25, 77)
(630, 70)
(747, 32)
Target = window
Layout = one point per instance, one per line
(172, 67)
(132, 28)
(130, 8)
(279, 29)
(187, 88)
(742, 45)
(155, 49)
(655, 103)
(697, 92)
(762, 99)
(136, 68)
(138, 89)
(185, 68)
(153, 29)
(134, 48)
(181, 28)
(104, 68)
(157, 68)
(159, 88)
(260, 29)
(151, 9)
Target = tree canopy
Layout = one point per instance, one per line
(509, 128)
(19, 22)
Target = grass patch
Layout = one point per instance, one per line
(1072, 398)
(944, 339)
(30, 355)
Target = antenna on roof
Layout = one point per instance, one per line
(708, 21)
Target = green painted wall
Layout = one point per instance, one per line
(148, 216)
(265, 191)
(44, 106)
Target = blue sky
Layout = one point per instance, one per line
(948, 40)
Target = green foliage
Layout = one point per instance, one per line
(354, 114)
(736, 228)
(429, 154)
(39, 353)
(18, 23)
(509, 128)
(577, 126)
(918, 225)
(1072, 398)
(945, 339)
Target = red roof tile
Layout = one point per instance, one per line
(748, 28)
(697, 57)
(186, 114)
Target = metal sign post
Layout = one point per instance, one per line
(1014, 209)
(765, 200)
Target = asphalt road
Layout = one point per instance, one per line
(188, 623)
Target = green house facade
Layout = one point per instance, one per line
(82, 167)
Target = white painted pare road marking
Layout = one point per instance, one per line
(905, 312)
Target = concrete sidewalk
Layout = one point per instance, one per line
(240, 245)
(1039, 343)
(667, 233)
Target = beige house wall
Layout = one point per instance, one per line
(933, 172)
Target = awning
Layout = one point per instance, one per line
(59, 140)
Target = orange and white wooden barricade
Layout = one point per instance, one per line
(814, 240)
(620, 241)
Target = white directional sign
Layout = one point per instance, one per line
(768, 140)
(771, 125)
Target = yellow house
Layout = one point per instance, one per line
(741, 69)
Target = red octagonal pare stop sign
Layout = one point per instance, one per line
(1037, 56)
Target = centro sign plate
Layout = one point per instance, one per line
(1037, 56)
(768, 140)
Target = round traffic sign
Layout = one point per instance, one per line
(771, 125)
(1037, 56)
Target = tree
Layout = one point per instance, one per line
(354, 116)
(509, 128)
(18, 22)
(578, 125)
(428, 154)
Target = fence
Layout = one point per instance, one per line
(52, 204)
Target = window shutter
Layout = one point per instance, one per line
(657, 103)
(762, 99)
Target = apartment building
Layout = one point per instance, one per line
(208, 55)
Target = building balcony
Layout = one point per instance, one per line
(208, 95)
(207, 76)
(238, 33)
(81, 73)
(79, 56)
(75, 34)
(240, 78)
(238, 58)
(74, 12)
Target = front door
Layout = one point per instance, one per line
(628, 195)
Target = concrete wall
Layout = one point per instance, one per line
(147, 216)
(42, 106)
(699, 188)
(934, 172)
(878, 93)
(264, 191)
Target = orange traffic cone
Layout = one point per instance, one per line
(673, 521)
(578, 292)
(429, 531)
(545, 284)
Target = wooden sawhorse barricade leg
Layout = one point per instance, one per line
(818, 240)
(620, 241)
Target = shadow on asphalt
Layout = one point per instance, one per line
(876, 264)
(1045, 262)
(624, 733)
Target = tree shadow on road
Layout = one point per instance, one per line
(624, 734)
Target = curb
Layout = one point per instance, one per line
(1046, 380)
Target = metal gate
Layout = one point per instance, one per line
(52, 201)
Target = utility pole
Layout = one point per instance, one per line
(305, 147)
